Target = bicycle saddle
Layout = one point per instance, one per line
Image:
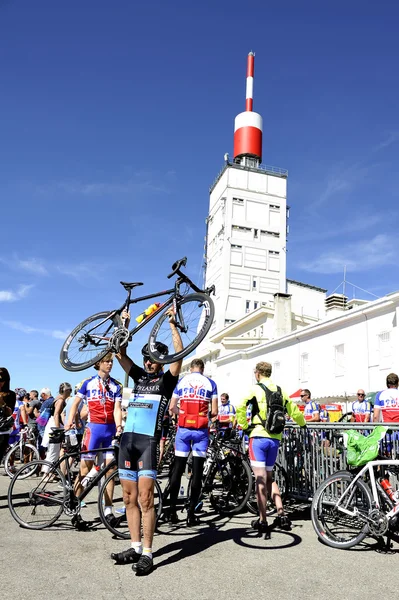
(130, 286)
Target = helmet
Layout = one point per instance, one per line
(162, 349)
(20, 393)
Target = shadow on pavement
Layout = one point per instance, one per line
(211, 533)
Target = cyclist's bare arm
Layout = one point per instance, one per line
(72, 413)
(214, 408)
(175, 367)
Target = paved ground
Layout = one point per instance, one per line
(218, 560)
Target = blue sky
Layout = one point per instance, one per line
(114, 121)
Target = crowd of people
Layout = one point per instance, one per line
(94, 410)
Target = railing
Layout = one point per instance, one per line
(309, 456)
(269, 169)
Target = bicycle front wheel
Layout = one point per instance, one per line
(15, 458)
(194, 317)
(231, 486)
(37, 500)
(89, 341)
(336, 528)
(118, 525)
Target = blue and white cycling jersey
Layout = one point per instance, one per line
(149, 401)
(310, 409)
(360, 409)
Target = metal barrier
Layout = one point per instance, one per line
(312, 454)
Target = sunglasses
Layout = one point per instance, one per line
(361, 395)
(304, 395)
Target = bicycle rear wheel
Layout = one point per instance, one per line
(89, 341)
(280, 477)
(118, 526)
(231, 486)
(194, 317)
(334, 527)
(13, 459)
(37, 501)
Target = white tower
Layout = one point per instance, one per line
(247, 223)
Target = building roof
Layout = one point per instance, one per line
(306, 285)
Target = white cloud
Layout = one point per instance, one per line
(391, 138)
(14, 296)
(357, 256)
(54, 333)
(33, 265)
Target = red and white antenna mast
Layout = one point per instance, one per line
(248, 125)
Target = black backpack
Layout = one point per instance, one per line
(275, 415)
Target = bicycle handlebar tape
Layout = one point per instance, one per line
(248, 125)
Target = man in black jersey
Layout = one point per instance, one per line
(149, 401)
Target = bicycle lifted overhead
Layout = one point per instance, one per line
(105, 332)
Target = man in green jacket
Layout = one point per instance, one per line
(263, 446)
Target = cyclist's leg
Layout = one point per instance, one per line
(147, 473)
(127, 464)
(200, 446)
(87, 458)
(182, 450)
(110, 430)
(258, 455)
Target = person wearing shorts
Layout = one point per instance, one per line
(138, 452)
(197, 396)
(101, 393)
(263, 446)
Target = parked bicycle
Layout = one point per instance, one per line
(348, 506)
(227, 478)
(23, 451)
(105, 332)
(39, 493)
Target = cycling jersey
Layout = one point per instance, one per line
(100, 396)
(388, 402)
(258, 429)
(324, 416)
(311, 408)
(195, 392)
(149, 401)
(226, 414)
(360, 409)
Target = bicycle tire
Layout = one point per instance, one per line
(200, 322)
(47, 495)
(236, 486)
(119, 528)
(280, 477)
(14, 450)
(323, 509)
(68, 357)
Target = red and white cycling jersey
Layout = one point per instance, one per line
(388, 403)
(100, 396)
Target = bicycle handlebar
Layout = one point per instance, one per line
(176, 266)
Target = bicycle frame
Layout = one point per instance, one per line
(369, 468)
(93, 482)
(174, 293)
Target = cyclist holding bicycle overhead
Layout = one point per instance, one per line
(152, 391)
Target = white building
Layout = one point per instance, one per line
(354, 347)
(328, 345)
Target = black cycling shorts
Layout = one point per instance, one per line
(138, 456)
